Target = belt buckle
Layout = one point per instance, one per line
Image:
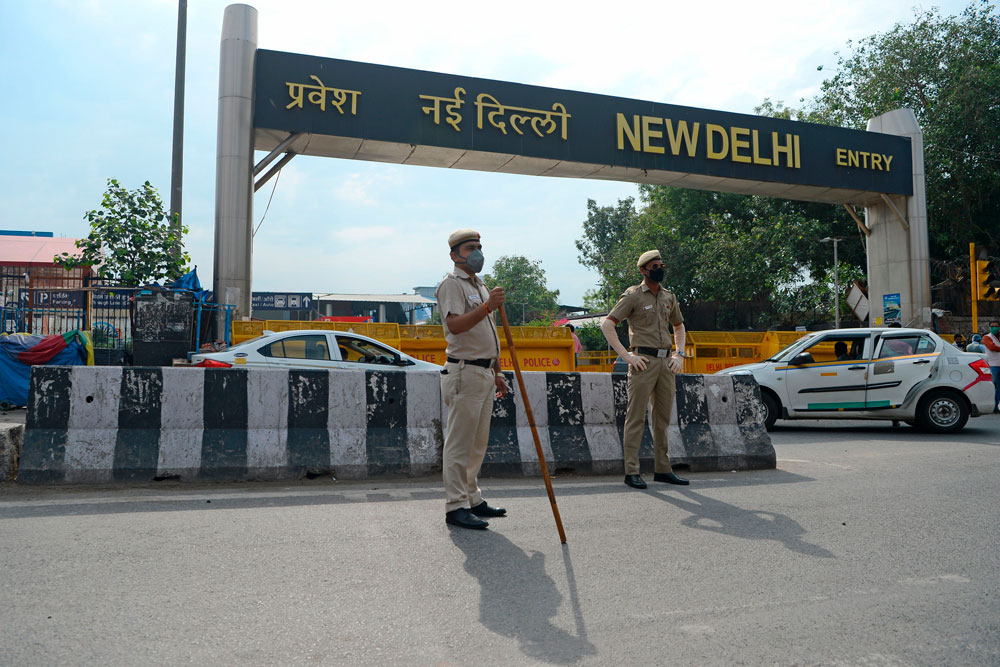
(662, 354)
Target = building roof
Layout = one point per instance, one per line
(33, 250)
(375, 298)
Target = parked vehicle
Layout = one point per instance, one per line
(309, 348)
(910, 375)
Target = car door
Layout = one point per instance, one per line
(828, 380)
(900, 361)
(299, 351)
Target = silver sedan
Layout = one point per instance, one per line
(910, 375)
(310, 348)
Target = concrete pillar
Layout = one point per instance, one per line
(899, 260)
(234, 166)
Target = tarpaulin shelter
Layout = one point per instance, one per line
(19, 352)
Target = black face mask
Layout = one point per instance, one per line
(656, 275)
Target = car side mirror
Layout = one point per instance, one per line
(801, 359)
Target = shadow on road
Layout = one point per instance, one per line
(181, 496)
(518, 599)
(719, 517)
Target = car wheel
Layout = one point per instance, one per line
(942, 412)
(771, 409)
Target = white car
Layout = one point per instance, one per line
(910, 375)
(311, 348)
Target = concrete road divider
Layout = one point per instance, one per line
(107, 424)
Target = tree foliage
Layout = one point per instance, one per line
(728, 248)
(529, 300)
(718, 247)
(130, 240)
(947, 70)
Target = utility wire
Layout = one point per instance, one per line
(273, 188)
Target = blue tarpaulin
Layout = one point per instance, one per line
(14, 373)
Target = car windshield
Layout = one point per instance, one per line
(784, 351)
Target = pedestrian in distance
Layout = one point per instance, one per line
(976, 345)
(652, 365)
(470, 380)
(577, 345)
(992, 343)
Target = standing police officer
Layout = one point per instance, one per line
(470, 380)
(651, 365)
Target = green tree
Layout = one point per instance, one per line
(947, 70)
(529, 299)
(130, 239)
(607, 241)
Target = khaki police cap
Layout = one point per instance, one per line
(647, 257)
(461, 236)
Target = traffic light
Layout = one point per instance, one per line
(987, 280)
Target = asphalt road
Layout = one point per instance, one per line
(867, 546)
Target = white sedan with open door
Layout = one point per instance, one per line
(310, 348)
(910, 375)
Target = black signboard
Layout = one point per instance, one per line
(339, 98)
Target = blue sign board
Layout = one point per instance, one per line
(281, 301)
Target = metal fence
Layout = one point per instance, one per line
(51, 300)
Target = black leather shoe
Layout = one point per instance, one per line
(463, 518)
(669, 478)
(635, 481)
(482, 509)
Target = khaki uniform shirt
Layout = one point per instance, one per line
(457, 294)
(648, 315)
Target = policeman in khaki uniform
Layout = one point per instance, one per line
(651, 365)
(470, 380)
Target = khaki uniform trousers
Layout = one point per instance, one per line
(468, 393)
(655, 387)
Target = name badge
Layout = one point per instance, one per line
(475, 298)
(649, 307)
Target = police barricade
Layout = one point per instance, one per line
(538, 348)
(596, 361)
(110, 424)
(387, 332)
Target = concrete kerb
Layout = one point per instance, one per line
(108, 424)
(11, 440)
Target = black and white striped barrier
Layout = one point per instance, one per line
(105, 424)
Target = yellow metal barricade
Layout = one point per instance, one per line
(597, 361)
(551, 348)
(423, 341)
(246, 330)
(711, 351)
(538, 348)
(387, 332)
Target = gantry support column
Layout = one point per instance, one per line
(234, 167)
(898, 250)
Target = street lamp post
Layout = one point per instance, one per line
(836, 280)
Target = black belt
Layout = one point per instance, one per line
(653, 351)
(485, 363)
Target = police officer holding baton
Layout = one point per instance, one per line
(651, 365)
(470, 380)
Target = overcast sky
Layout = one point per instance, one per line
(88, 95)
